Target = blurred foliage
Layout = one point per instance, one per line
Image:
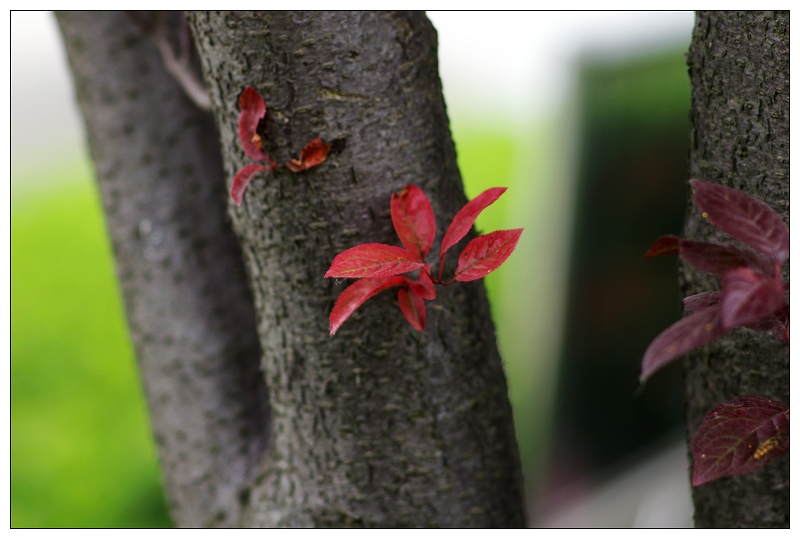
(81, 450)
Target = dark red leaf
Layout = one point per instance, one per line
(665, 245)
(315, 153)
(690, 332)
(718, 259)
(777, 324)
(252, 110)
(413, 220)
(465, 218)
(373, 260)
(748, 297)
(424, 286)
(743, 217)
(242, 179)
(484, 254)
(413, 307)
(357, 293)
(739, 437)
(701, 300)
(709, 257)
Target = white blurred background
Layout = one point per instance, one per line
(511, 83)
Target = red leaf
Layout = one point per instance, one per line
(373, 260)
(665, 245)
(743, 217)
(718, 259)
(423, 286)
(777, 324)
(465, 218)
(315, 153)
(413, 220)
(688, 333)
(484, 254)
(739, 437)
(357, 293)
(748, 297)
(252, 110)
(242, 179)
(709, 257)
(413, 307)
(701, 300)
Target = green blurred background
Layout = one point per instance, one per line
(82, 454)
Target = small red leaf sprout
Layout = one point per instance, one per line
(379, 266)
(252, 120)
(742, 435)
(315, 153)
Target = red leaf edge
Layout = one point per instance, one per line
(688, 333)
(665, 245)
(355, 295)
(748, 297)
(424, 285)
(373, 260)
(466, 216)
(413, 307)
(743, 217)
(699, 301)
(716, 258)
(242, 180)
(413, 219)
(486, 253)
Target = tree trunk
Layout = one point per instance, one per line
(380, 425)
(739, 68)
(189, 309)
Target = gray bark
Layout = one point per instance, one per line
(739, 68)
(189, 310)
(378, 426)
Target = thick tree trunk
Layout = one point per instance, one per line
(188, 306)
(380, 425)
(739, 68)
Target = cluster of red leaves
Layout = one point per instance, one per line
(744, 434)
(378, 266)
(252, 124)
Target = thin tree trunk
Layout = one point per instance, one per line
(739, 68)
(187, 301)
(380, 425)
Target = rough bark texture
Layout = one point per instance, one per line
(739, 68)
(380, 425)
(188, 305)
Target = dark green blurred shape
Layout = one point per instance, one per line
(631, 189)
(81, 450)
